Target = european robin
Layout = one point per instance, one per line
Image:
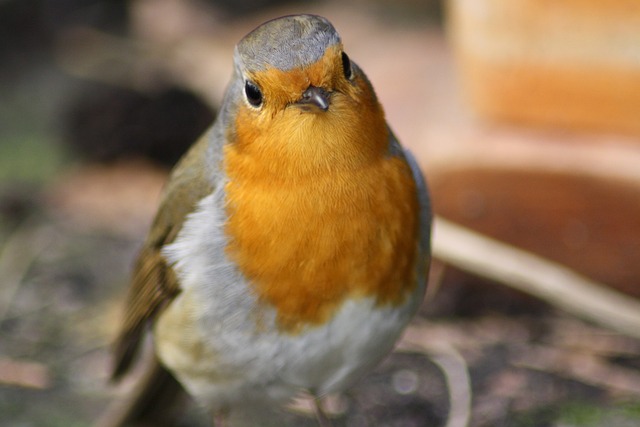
(291, 246)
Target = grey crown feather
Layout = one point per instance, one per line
(287, 43)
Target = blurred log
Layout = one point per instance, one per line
(572, 199)
(570, 64)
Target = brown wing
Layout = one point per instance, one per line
(154, 283)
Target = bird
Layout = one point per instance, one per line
(291, 246)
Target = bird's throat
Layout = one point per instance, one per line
(308, 244)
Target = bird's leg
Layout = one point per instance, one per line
(321, 416)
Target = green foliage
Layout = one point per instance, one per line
(28, 156)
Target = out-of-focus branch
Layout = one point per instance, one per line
(544, 279)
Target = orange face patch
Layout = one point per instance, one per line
(318, 211)
(352, 132)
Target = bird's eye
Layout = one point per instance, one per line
(253, 93)
(346, 66)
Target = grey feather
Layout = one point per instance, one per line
(426, 215)
(286, 43)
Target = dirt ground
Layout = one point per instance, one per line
(515, 361)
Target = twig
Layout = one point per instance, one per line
(24, 374)
(455, 371)
(436, 276)
(549, 281)
(587, 368)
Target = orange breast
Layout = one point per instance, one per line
(312, 226)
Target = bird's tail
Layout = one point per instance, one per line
(153, 402)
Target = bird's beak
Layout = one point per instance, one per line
(314, 99)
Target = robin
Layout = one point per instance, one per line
(292, 243)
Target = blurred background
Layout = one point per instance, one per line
(524, 114)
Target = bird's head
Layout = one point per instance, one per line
(296, 94)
